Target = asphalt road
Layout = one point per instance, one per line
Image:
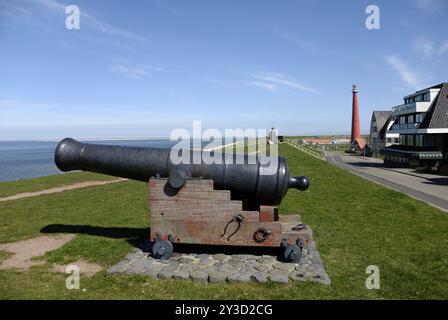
(432, 189)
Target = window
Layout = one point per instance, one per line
(389, 140)
(419, 117)
(419, 140)
(411, 118)
(410, 140)
(402, 140)
(396, 140)
(402, 120)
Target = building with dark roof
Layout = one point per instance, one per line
(422, 125)
(380, 136)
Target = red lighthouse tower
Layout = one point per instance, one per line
(356, 132)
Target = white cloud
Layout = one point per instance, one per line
(219, 82)
(407, 75)
(134, 72)
(263, 85)
(444, 48)
(429, 5)
(272, 81)
(428, 48)
(19, 12)
(424, 47)
(110, 30)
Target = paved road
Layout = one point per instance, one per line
(433, 189)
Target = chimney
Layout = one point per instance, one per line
(356, 134)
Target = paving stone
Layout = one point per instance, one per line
(235, 262)
(153, 273)
(263, 267)
(242, 256)
(284, 266)
(297, 276)
(217, 276)
(220, 256)
(245, 276)
(133, 255)
(239, 277)
(219, 263)
(260, 277)
(174, 265)
(199, 276)
(206, 261)
(279, 277)
(300, 267)
(248, 269)
(228, 269)
(139, 265)
(209, 269)
(137, 250)
(179, 275)
(166, 273)
(266, 260)
(118, 268)
(185, 259)
(252, 263)
(188, 267)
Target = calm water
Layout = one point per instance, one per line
(31, 159)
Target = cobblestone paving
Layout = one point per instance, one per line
(230, 268)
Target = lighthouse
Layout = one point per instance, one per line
(356, 131)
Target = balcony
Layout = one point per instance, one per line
(404, 126)
(421, 106)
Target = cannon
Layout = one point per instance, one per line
(231, 201)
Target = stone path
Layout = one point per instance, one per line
(216, 268)
(59, 189)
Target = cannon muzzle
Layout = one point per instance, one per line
(246, 179)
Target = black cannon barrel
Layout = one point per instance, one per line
(243, 175)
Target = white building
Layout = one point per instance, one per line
(421, 123)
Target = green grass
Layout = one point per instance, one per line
(30, 185)
(356, 224)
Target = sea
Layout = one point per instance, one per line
(31, 159)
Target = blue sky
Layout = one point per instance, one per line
(143, 68)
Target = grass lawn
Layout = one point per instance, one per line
(356, 224)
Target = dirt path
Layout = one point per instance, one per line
(22, 254)
(59, 189)
(22, 251)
